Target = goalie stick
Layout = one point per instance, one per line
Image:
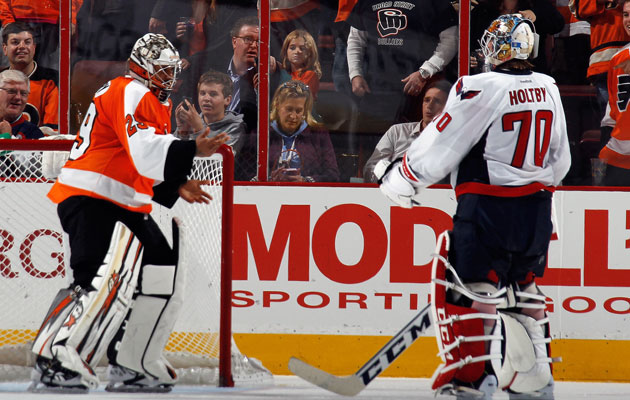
(351, 385)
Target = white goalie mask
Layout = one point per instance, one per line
(155, 62)
(509, 37)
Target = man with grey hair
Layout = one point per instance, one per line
(14, 122)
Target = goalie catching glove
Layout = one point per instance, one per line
(397, 183)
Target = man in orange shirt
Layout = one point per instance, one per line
(122, 159)
(607, 37)
(18, 44)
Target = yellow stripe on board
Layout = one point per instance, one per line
(582, 360)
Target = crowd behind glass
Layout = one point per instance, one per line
(343, 75)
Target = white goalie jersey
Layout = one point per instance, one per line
(501, 133)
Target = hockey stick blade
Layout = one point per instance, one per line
(351, 385)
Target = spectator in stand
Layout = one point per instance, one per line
(399, 137)
(299, 149)
(300, 60)
(571, 48)
(607, 37)
(289, 15)
(14, 123)
(341, 30)
(200, 25)
(214, 95)
(18, 44)
(385, 48)
(43, 18)
(616, 152)
(240, 65)
(14, 90)
(108, 29)
(545, 16)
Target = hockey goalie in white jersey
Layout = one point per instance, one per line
(502, 137)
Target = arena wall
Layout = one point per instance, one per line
(328, 274)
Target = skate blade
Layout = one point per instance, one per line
(38, 387)
(138, 389)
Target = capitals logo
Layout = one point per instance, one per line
(463, 93)
(390, 22)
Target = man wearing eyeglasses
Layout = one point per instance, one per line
(241, 66)
(14, 122)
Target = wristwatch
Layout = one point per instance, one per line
(424, 73)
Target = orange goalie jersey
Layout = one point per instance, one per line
(120, 150)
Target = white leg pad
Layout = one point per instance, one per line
(115, 283)
(526, 364)
(158, 279)
(151, 322)
(60, 309)
(153, 315)
(92, 319)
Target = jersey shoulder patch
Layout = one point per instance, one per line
(463, 92)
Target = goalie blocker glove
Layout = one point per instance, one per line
(396, 183)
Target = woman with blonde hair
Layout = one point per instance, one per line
(300, 149)
(300, 60)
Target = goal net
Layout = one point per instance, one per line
(33, 268)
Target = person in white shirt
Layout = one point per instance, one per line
(395, 142)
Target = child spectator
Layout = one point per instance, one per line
(300, 60)
(214, 95)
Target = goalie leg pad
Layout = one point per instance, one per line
(79, 341)
(526, 364)
(151, 320)
(63, 303)
(460, 330)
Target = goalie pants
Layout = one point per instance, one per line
(89, 224)
(506, 236)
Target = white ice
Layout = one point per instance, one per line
(291, 387)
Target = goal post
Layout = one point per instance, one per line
(33, 267)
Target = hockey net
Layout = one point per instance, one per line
(32, 266)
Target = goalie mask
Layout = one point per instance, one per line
(155, 63)
(509, 37)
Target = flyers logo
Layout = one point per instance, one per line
(390, 22)
(623, 91)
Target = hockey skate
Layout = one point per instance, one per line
(545, 393)
(480, 390)
(123, 379)
(49, 376)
